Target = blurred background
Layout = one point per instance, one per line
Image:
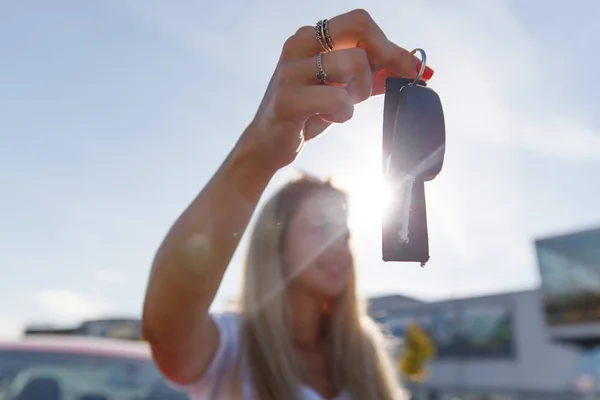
(114, 114)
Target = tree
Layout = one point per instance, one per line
(418, 350)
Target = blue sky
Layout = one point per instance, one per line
(114, 114)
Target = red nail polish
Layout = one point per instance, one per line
(427, 74)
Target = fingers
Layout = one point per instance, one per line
(406, 65)
(349, 67)
(379, 81)
(362, 59)
(353, 29)
(314, 126)
(357, 29)
(302, 102)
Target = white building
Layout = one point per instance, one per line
(537, 344)
(494, 345)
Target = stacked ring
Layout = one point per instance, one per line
(322, 34)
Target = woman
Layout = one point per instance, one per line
(300, 333)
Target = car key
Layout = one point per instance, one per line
(413, 152)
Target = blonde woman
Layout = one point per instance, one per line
(300, 333)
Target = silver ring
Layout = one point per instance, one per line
(322, 35)
(326, 36)
(423, 64)
(321, 74)
(319, 35)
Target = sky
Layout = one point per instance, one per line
(114, 114)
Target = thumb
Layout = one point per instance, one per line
(314, 126)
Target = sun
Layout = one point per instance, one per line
(369, 197)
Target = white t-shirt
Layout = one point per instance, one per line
(214, 382)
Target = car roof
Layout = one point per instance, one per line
(81, 345)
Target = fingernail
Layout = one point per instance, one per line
(427, 74)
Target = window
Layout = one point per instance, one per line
(50, 376)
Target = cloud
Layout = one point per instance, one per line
(69, 305)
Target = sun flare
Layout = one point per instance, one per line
(369, 198)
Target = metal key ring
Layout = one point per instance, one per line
(423, 64)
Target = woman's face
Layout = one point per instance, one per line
(317, 257)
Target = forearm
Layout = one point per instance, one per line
(194, 255)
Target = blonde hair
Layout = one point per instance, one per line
(360, 361)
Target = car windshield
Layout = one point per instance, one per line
(50, 376)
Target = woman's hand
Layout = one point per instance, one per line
(297, 107)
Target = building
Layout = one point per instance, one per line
(534, 344)
(570, 271)
(494, 344)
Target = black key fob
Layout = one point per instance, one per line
(414, 142)
(419, 140)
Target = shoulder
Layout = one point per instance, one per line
(215, 379)
(226, 322)
(228, 326)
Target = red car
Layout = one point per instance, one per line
(80, 368)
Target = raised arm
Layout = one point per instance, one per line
(191, 261)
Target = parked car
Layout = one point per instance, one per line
(80, 368)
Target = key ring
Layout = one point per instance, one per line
(423, 65)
